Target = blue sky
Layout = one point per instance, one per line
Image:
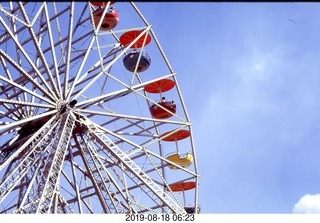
(249, 74)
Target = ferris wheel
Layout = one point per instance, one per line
(92, 117)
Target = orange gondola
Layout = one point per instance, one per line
(159, 86)
(178, 135)
(131, 36)
(183, 186)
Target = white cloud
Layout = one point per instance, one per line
(309, 203)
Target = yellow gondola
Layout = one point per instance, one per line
(181, 160)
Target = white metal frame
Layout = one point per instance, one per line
(62, 156)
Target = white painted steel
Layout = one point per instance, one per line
(76, 132)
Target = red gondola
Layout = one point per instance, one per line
(110, 20)
(101, 4)
(159, 113)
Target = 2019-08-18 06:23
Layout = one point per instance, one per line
(160, 217)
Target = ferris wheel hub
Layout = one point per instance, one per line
(63, 105)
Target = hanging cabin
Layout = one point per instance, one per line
(110, 20)
(133, 61)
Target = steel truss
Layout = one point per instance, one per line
(75, 128)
